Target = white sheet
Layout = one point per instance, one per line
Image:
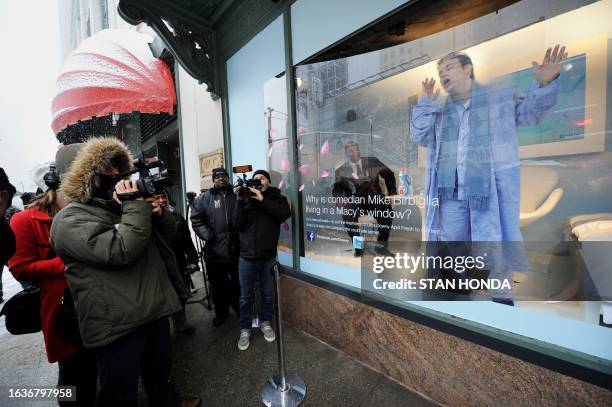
(600, 230)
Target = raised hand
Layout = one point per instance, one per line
(549, 70)
(428, 89)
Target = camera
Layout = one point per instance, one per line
(148, 184)
(243, 184)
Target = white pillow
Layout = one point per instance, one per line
(598, 230)
(580, 219)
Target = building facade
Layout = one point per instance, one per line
(196, 121)
(300, 80)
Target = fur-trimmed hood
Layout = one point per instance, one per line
(97, 156)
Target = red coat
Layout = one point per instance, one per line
(34, 261)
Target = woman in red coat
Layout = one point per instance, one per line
(35, 261)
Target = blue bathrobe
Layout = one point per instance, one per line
(499, 222)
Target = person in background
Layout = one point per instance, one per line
(211, 218)
(35, 262)
(8, 215)
(361, 177)
(186, 258)
(27, 197)
(7, 238)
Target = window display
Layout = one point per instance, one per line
(462, 165)
(275, 101)
(464, 145)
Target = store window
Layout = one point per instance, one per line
(483, 132)
(278, 160)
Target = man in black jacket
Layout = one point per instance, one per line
(361, 177)
(211, 218)
(186, 258)
(258, 220)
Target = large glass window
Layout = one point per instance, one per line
(482, 140)
(278, 160)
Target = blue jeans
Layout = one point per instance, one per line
(459, 224)
(248, 270)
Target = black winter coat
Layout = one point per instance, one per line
(7, 242)
(181, 244)
(211, 219)
(368, 183)
(259, 224)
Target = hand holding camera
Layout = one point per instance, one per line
(126, 189)
(256, 194)
(158, 210)
(244, 188)
(147, 184)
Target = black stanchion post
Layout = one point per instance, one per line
(282, 390)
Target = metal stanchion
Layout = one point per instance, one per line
(282, 390)
(256, 304)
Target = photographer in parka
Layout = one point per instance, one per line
(122, 275)
(258, 219)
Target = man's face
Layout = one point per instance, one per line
(112, 175)
(353, 154)
(454, 78)
(161, 199)
(264, 181)
(221, 181)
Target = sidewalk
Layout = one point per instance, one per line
(23, 360)
(209, 365)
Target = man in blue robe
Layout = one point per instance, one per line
(473, 186)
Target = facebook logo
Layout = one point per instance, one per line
(358, 242)
(310, 235)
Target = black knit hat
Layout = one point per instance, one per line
(219, 171)
(264, 173)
